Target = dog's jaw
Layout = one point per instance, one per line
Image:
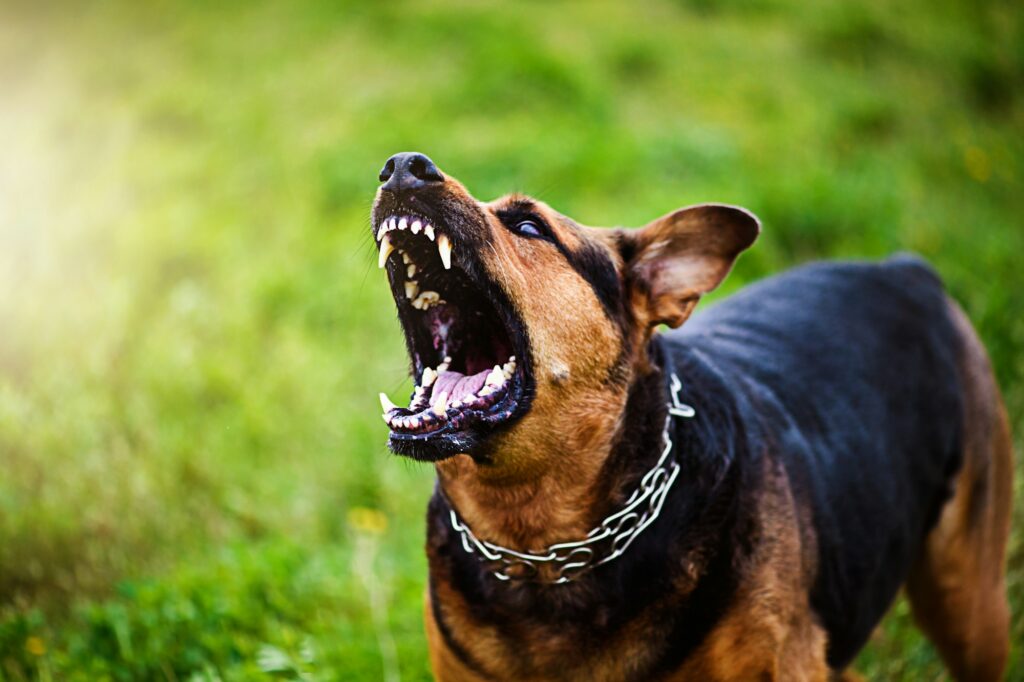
(468, 348)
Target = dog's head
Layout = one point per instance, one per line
(525, 328)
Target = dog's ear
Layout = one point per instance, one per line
(670, 263)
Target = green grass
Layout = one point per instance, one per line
(193, 332)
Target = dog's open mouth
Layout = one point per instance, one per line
(467, 346)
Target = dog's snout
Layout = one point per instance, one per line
(408, 171)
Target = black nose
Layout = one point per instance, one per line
(409, 171)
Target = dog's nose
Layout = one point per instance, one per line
(409, 171)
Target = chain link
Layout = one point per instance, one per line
(572, 559)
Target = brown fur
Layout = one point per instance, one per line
(544, 482)
(958, 587)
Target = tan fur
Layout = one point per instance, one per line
(528, 498)
(769, 633)
(542, 483)
(958, 587)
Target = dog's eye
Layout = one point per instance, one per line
(528, 228)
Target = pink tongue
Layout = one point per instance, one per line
(458, 386)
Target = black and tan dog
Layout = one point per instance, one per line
(738, 500)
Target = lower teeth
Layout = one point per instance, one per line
(427, 413)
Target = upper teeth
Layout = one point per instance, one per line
(444, 248)
(414, 225)
(385, 250)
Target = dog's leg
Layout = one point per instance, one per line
(957, 589)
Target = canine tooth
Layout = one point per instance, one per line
(429, 231)
(382, 229)
(385, 403)
(410, 270)
(416, 227)
(385, 250)
(444, 247)
(427, 380)
(412, 287)
(406, 258)
(386, 420)
(496, 377)
(440, 405)
(402, 224)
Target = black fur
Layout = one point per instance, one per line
(851, 370)
(840, 375)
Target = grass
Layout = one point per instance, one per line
(193, 333)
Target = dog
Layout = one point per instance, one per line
(740, 498)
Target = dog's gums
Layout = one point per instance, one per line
(461, 340)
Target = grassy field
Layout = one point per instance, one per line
(193, 478)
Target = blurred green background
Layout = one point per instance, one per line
(193, 332)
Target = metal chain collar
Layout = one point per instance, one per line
(572, 559)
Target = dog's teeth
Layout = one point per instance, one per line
(386, 419)
(443, 367)
(486, 391)
(416, 227)
(385, 250)
(427, 380)
(412, 287)
(382, 229)
(440, 405)
(406, 258)
(392, 224)
(444, 247)
(410, 270)
(429, 231)
(426, 299)
(402, 224)
(495, 378)
(385, 403)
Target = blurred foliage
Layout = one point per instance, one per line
(192, 331)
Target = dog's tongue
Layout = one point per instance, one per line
(458, 386)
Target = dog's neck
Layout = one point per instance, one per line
(570, 496)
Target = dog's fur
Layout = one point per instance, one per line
(849, 439)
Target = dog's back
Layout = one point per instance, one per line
(852, 373)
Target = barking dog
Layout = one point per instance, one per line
(740, 499)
